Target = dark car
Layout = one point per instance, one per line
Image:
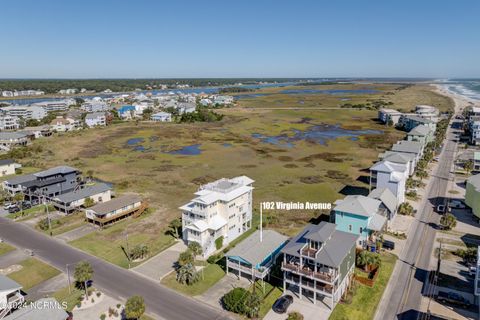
(282, 304)
(452, 298)
(14, 209)
(26, 205)
(389, 245)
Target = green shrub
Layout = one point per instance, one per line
(295, 316)
(219, 242)
(103, 316)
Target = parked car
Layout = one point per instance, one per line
(282, 304)
(457, 204)
(389, 245)
(8, 205)
(472, 271)
(26, 205)
(441, 208)
(452, 298)
(14, 209)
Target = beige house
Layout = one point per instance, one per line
(7, 167)
(115, 209)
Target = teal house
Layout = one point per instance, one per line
(253, 257)
(362, 216)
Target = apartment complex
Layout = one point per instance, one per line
(220, 212)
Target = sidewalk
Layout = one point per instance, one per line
(162, 264)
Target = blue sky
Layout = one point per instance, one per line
(111, 39)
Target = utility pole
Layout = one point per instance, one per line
(48, 214)
(261, 223)
(128, 250)
(68, 277)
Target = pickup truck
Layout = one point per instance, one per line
(452, 298)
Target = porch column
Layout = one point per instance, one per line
(300, 287)
(314, 290)
(284, 283)
(227, 265)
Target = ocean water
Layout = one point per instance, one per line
(469, 88)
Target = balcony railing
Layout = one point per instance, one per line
(308, 272)
(311, 285)
(309, 252)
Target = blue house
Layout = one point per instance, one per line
(126, 112)
(253, 257)
(362, 216)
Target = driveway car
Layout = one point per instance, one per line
(282, 304)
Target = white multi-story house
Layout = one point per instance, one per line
(96, 119)
(387, 115)
(386, 174)
(61, 124)
(26, 112)
(221, 209)
(407, 159)
(9, 123)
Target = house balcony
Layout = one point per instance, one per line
(16, 298)
(322, 288)
(309, 252)
(305, 271)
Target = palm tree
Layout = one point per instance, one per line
(362, 259)
(175, 226)
(468, 166)
(83, 273)
(187, 274)
(405, 209)
(186, 257)
(195, 248)
(134, 307)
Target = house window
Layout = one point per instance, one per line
(349, 227)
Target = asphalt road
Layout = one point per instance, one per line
(403, 295)
(113, 280)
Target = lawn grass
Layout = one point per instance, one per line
(365, 300)
(33, 272)
(30, 213)
(212, 273)
(267, 298)
(66, 223)
(5, 248)
(108, 243)
(63, 295)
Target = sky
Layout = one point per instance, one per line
(205, 39)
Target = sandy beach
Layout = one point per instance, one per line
(461, 102)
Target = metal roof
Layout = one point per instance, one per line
(332, 252)
(7, 284)
(254, 251)
(86, 192)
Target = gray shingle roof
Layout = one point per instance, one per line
(95, 115)
(254, 251)
(475, 181)
(358, 205)
(408, 146)
(421, 130)
(398, 157)
(115, 204)
(5, 162)
(332, 252)
(386, 196)
(47, 308)
(55, 170)
(83, 193)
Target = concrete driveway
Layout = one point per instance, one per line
(77, 233)
(12, 257)
(162, 264)
(48, 287)
(213, 295)
(309, 310)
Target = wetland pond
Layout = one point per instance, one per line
(320, 134)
